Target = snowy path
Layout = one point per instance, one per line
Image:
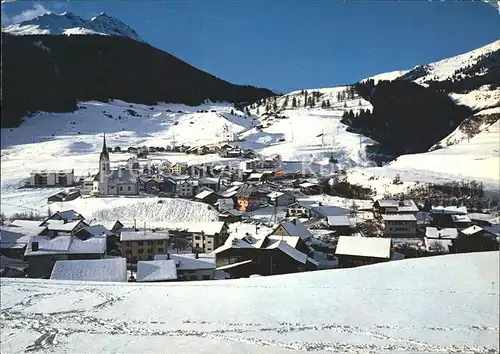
(394, 307)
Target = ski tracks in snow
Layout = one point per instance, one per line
(55, 328)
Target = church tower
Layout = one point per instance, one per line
(104, 170)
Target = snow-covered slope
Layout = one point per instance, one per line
(71, 24)
(396, 307)
(477, 159)
(470, 127)
(444, 69)
(73, 140)
(389, 76)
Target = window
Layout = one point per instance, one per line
(129, 188)
(121, 189)
(160, 250)
(140, 250)
(149, 243)
(141, 243)
(197, 245)
(209, 241)
(160, 242)
(197, 238)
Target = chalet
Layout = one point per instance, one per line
(105, 270)
(399, 225)
(180, 168)
(224, 204)
(442, 216)
(476, 239)
(309, 188)
(280, 198)
(207, 196)
(46, 178)
(461, 221)
(156, 271)
(249, 165)
(61, 227)
(231, 215)
(66, 215)
(185, 189)
(439, 240)
(247, 198)
(391, 206)
(197, 171)
(114, 226)
(292, 228)
(15, 237)
(267, 256)
(42, 252)
(353, 251)
(207, 236)
(340, 223)
(194, 266)
(141, 245)
(210, 182)
(298, 210)
(64, 196)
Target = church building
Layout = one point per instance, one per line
(109, 182)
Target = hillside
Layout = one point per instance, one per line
(52, 73)
(394, 307)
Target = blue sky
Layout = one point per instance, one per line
(289, 45)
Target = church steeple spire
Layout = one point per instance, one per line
(104, 152)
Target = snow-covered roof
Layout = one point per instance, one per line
(60, 225)
(208, 180)
(289, 250)
(143, 235)
(296, 228)
(229, 194)
(306, 185)
(203, 194)
(156, 270)
(109, 270)
(449, 210)
(10, 238)
(98, 230)
(407, 205)
(460, 218)
(190, 262)
(66, 245)
(234, 265)
(399, 217)
(484, 217)
(255, 175)
(494, 230)
(338, 220)
(376, 247)
(28, 226)
(446, 233)
(329, 210)
(472, 230)
(109, 224)
(68, 215)
(291, 240)
(225, 201)
(273, 195)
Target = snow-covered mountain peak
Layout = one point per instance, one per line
(68, 23)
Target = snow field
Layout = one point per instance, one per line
(391, 307)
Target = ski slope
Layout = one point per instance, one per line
(74, 140)
(394, 307)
